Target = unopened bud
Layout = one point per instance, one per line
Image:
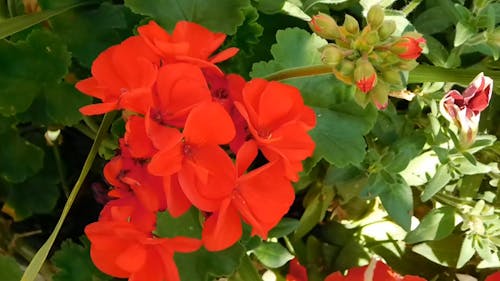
(351, 24)
(375, 16)
(386, 29)
(379, 95)
(372, 38)
(392, 77)
(408, 47)
(325, 26)
(344, 71)
(365, 75)
(332, 55)
(407, 65)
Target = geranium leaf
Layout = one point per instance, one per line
(22, 77)
(339, 132)
(284, 227)
(187, 225)
(398, 201)
(438, 181)
(19, 159)
(87, 32)
(444, 252)
(72, 258)
(9, 269)
(216, 15)
(295, 47)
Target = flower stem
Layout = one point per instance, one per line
(246, 271)
(38, 260)
(60, 170)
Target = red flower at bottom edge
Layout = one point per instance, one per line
(375, 271)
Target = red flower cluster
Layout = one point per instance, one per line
(187, 119)
(375, 271)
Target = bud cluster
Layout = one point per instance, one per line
(370, 58)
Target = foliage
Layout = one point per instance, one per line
(406, 151)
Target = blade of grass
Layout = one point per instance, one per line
(36, 263)
(19, 23)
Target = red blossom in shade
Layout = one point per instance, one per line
(408, 47)
(189, 42)
(296, 272)
(464, 109)
(493, 277)
(260, 197)
(122, 78)
(278, 121)
(375, 271)
(120, 249)
(202, 167)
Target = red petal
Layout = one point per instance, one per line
(336, 276)
(493, 277)
(246, 155)
(161, 136)
(222, 229)
(224, 55)
(167, 161)
(99, 108)
(202, 42)
(132, 258)
(183, 244)
(209, 123)
(177, 202)
(91, 87)
(138, 142)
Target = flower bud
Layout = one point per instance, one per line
(386, 29)
(392, 77)
(331, 55)
(372, 38)
(407, 65)
(365, 75)
(344, 71)
(375, 16)
(408, 46)
(351, 24)
(379, 95)
(325, 26)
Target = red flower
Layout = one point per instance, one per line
(375, 271)
(203, 167)
(365, 75)
(278, 120)
(189, 42)
(408, 47)
(297, 272)
(122, 77)
(261, 198)
(493, 277)
(180, 88)
(464, 109)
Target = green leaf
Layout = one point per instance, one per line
(398, 201)
(432, 21)
(187, 225)
(284, 227)
(204, 265)
(405, 149)
(19, 23)
(272, 255)
(216, 15)
(465, 167)
(308, 4)
(290, 8)
(437, 52)
(22, 76)
(270, 6)
(466, 251)
(436, 225)
(464, 31)
(444, 252)
(88, 32)
(73, 258)
(58, 104)
(294, 47)
(339, 132)
(9, 269)
(440, 179)
(315, 209)
(19, 159)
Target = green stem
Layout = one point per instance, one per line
(60, 170)
(91, 123)
(39, 258)
(422, 73)
(91, 135)
(411, 6)
(246, 270)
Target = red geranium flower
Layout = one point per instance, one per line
(278, 121)
(203, 167)
(189, 42)
(261, 198)
(493, 277)
(122, 77)
(375, 271)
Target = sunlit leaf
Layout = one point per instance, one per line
(436, 225)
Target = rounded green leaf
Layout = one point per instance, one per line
(272, 255)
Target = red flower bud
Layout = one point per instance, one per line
(365, 75)
(408, 48)
(325, 26)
